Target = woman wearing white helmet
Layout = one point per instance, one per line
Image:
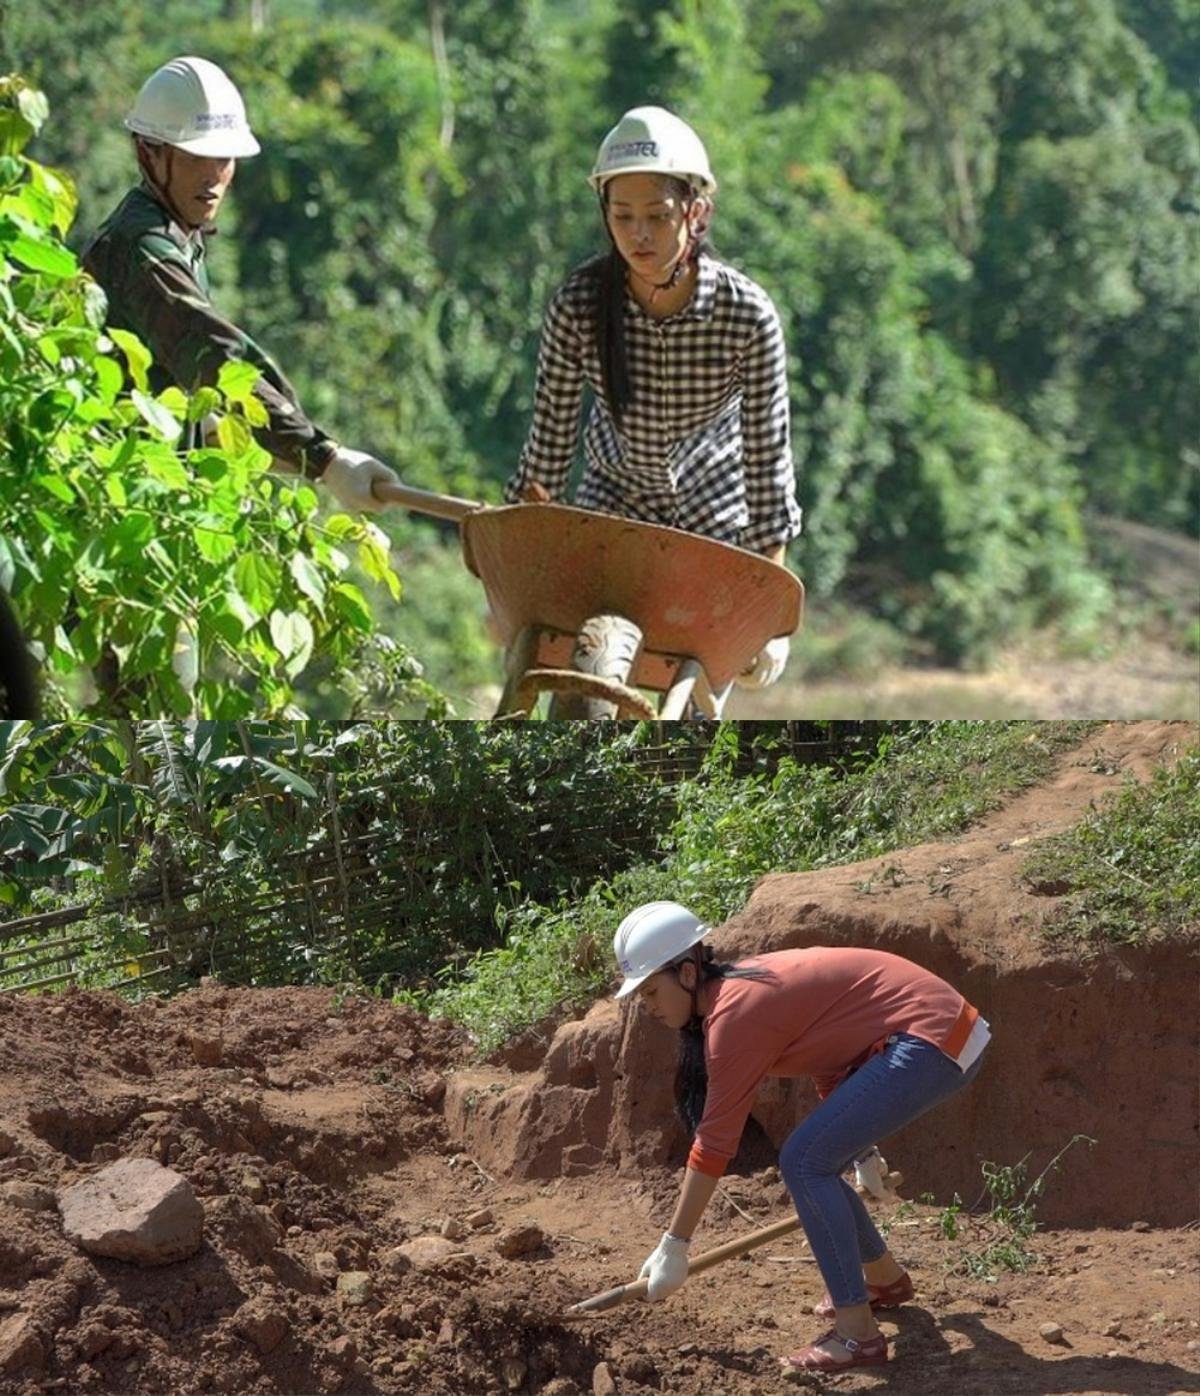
(685, 356)
(884, 1041)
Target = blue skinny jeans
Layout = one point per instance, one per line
(887, 1092)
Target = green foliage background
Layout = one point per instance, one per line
(980, 222)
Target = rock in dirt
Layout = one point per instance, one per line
(355, 1288)
(253, 1187)
(206, 1051)
(520, 1240)
(1113, 1329)
(261, 1324)
(20, 1344)
(603, 1381)
(7, 1144)
(135, 1211)
(513, 1373)
(29, 1197)
(92, 1339)
(1051, 1332)
(453, 1229)
(481, 1218)
(425, 1252)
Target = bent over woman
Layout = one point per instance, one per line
(884, 1041)
(685, 356)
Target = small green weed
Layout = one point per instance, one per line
(1006, 1228)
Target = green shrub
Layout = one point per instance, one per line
(1132, 867)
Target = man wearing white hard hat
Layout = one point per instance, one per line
(189, 130)
(685, 356)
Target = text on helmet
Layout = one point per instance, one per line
(628, 148)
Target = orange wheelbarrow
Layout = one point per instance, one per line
(593, 608)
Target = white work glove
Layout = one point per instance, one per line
(870, 1171)
(767, 664)
(349, 477)
(666, 1267)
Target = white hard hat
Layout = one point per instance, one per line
(652, 140)
(650, 938)
(191, 104)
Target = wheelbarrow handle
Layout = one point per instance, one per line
(441, 506)
(612, 1297)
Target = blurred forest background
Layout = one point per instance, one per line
(980, 221)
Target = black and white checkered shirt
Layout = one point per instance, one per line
(705, 441)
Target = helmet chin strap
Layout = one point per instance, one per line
(685, 259)
(160, 189)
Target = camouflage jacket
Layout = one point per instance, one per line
(154, 275)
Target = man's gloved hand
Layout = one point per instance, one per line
(349, 477)
(666, 1267)
(767, 664)
(870, 1171)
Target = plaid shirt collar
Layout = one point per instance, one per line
(702, 303)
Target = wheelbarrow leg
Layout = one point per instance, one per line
(519, 657)
(675, 700)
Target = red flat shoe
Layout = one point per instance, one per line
(881, 1296)
(871, 1352)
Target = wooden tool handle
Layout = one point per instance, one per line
(612, 1297)
(441, 506)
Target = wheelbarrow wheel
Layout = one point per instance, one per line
(606, 646)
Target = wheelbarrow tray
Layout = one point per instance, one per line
(553, 566)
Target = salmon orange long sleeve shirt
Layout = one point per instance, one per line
(821, 1012)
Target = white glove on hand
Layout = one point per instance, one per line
(869, 1173)
(767, 664)
(666, 1267)
(349, 477)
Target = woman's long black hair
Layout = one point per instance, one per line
(691, 1076)
(608, 271)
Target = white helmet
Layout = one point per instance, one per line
(650, 938)
(191, 104)
(652, 140)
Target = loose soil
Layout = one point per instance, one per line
(323, 1133)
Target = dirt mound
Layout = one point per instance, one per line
(1105, 1048)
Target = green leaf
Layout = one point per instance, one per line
(286, 780)
(57, 486)
(307, 578)
(137, 356)
(175, 401)
(237, 379)
(33, 106)
(234, 435)
(38, 255)
(166, 468)
(109, 378)
(293, 637)
(60, 190)
(242, 613)
(256, 414)
(351, 605)
(258, 579)
(159, 417)
(375, 560)
(202, 402)
(213, 544)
